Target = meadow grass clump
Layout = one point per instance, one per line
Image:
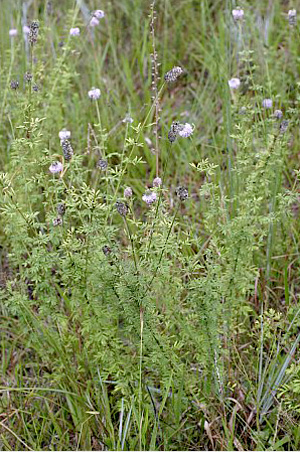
(149, 226)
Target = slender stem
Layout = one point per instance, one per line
(140, 379)
(132, 245)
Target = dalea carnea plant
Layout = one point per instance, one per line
(141, 245)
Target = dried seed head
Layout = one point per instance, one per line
(67, 149)
(292, 17)
(61, 209)
(28, 77)
(122, 208)
(182, 193)
(106, 250)
(171, 136)
(102, 164)
(173, 74)
(14, 84)
(34, 31)
(57, 221)
(283, 126)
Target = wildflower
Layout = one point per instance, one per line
(56, 167)
(67, 149)
(238, 14)
(173, 74)
(35, 88)
(157, 182)
(149, 197)
(57, 221)
(75, 31)
(94, 22)
(28, 77)
(94, 93)
(64, 134)
(278, 114)
(128, 119)
(14, 84)
(102, 164)
(33, 32)
(234, 83)
(292, 17)
(13, 32)
(99, 14)
(122, 208)
(61, 209)
(186, 130)
(283, 126)
(26, 29)
(128, 192)
(267, 103)
(182, 193)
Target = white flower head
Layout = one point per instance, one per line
(267, 103)
(234, 83)
(149, 197)
(186, 130)
(94, 93)
(99, 14)
(26, 29)
(64, 134)
(94, 22)
(128, 119)
(56, 167)
(13, 32)
(238, 14)
(75, 31)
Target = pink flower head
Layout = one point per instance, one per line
(56, 167)
(157, 182)
(234, 83)
(149, 197)
(278, 114)
(13, 32)
(128, 192)
(26, 29)
(267, 103)
(75, 31)
(94, 93)
(186, 131)
(94, 22)
(99, 14)
(238, 14)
